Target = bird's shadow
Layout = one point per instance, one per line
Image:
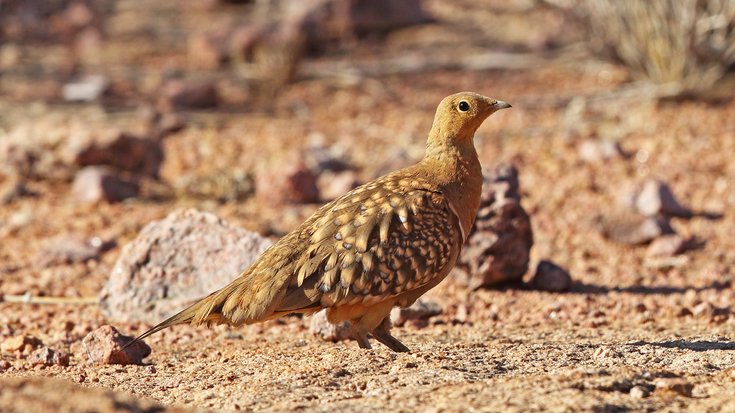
(579, 287)
(699, 345)
(583, 288)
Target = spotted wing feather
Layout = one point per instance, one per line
(379, 241)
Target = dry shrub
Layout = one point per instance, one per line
(688, 43)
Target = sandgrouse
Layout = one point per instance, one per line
(382, 244)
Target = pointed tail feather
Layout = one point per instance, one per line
(193, 314)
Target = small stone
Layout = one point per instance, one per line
(119, 150)
(324, 330)
(332, 185)
(87, 89)
(597, 150)
(66, 249)
(175, 261)
(677, 385)
(104, 345)
(704, 309)
(422, 309)
(639, 392)
(551, 277)
(4, 365)
(193, 95)
(656, 197)
(24, 344)
(667, 246)
(290, 182)
(633, 228)
(94, 184)
(604, 352)
(47, 356)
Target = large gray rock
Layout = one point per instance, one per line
(499, 245)
(176, 261)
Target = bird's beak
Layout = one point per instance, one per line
(501, 105)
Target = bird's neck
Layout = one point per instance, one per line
(454, 167)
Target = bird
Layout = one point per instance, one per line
(380, 245)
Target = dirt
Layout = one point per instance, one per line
(633, 333)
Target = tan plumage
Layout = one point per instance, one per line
(382, 244)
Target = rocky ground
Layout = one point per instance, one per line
(630, 196)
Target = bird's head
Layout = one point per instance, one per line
(459, 115)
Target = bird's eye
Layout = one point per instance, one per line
(463, 106)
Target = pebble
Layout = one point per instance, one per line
(66, 249)
(189, 95)
(24, 344)
(677, 385)
(639, 392)
(326, 331)
(632, 228)
(656, 197)
(104, 346)
(551, 277)
(47, 356)
(94, 184)
(422, 309)
(667, 245)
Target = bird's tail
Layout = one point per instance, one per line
(205, 310)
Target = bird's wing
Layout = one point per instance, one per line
(381, 240)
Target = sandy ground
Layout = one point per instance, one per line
(632, 334)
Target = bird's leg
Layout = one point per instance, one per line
(360, 335)
(382, 334)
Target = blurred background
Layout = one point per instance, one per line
(113, 113)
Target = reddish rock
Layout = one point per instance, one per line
(288, 182)
(422, 309)
(190, 95)
(656, 197)
(677, 385)
(22, 344)
(632, 228)
(54, 147)
(66, 249)
(326, 331)
(99, 183)
(104, 345)
(47, 356)
(551, 277)
(668, 246)
(499, 243)
(175, 261)
(121, 151)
